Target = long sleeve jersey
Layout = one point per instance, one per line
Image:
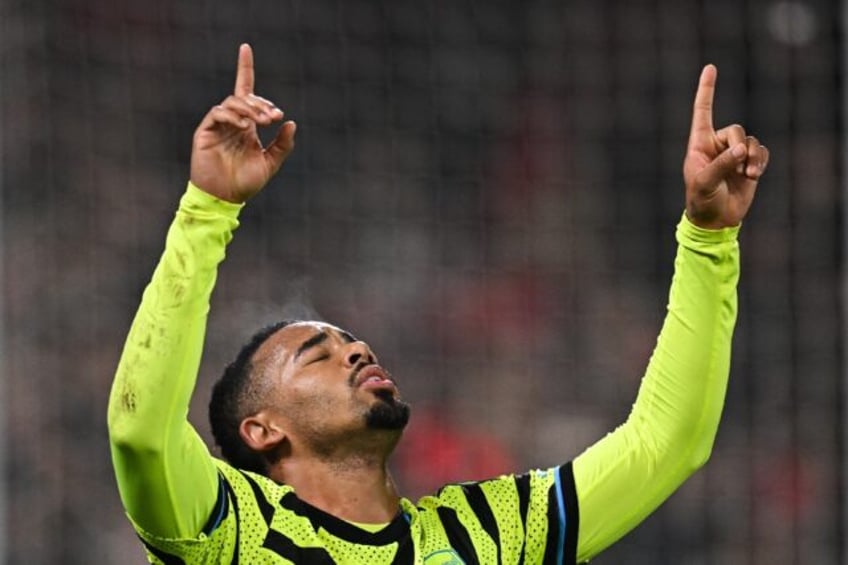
(189, 507)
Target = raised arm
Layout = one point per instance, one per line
(670, 431)
(166, 476)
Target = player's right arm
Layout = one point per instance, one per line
(166, 476)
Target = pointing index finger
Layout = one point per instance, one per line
(244, 74)
(702, 112)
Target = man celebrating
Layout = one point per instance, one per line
(306, 417)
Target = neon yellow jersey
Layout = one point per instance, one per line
(510, 519)
(190, 508)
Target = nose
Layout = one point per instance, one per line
(358, 353)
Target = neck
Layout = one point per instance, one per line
(356, 488)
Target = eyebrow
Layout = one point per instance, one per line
(319, 338)
(311, 342)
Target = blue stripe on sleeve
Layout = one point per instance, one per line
(562, 524)
(220, 509)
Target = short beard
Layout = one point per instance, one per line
(388, 414)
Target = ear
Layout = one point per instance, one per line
(261, 432)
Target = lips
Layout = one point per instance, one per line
(374, 377)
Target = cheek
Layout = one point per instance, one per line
(307, 403)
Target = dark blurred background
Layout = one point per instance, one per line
(484, 191)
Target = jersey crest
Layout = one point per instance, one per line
(443, 557)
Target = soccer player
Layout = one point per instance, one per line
(306, 417)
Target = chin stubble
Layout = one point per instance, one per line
(388, 413)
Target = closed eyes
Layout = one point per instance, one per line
(320, 357)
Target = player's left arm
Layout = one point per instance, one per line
(671, 428)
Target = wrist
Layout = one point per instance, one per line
(694, 232)
(196, 198)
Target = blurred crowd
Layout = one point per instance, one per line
(486, 192)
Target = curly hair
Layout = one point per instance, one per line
(234, 397)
